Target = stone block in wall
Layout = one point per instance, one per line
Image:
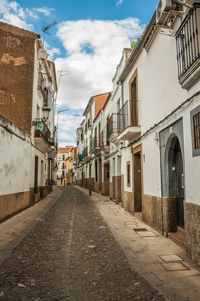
(111, 190)
(192, 229)
(13, 203)
(122, 188)
(91, 184)
(118, 189)
(96, 186)
(157, 213)
(128, 201)
(105, 188)
(169, 215)
(147, 209)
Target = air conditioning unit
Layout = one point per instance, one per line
(164, 6)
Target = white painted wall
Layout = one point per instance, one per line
(14, 160)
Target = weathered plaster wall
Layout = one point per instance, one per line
(15, 159)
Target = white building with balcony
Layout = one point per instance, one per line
(152, 122)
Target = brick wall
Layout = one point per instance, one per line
(16, 76)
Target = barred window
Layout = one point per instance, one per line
(128, 173)
(196, 124)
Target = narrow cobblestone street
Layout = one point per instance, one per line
(71, 255)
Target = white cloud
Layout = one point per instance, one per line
(43, 10)
(53, 51)
(11, 12)
(67, 128)
(93, 50)
(119, 2)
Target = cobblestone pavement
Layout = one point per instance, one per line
(71, 255)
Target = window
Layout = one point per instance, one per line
(133, 99)
(128, 173)
(195, 128)
(63, 157)
(196, 125)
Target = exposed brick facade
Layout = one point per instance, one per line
(16, 76)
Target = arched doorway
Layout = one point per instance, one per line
(176, 179)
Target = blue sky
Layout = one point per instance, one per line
(86, 44)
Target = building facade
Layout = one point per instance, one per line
(62, 155)
(150, 162)
(27, 132)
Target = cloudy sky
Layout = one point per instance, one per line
(86, 45)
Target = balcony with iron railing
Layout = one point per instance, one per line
(127, 121)
(105, 140)
(85, 154)
(42, 135)
(187, 46)
(113, 128)
(95, 146)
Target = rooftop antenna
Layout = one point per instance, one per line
(46, 28)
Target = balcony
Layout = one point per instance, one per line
(85, 154)
(105, 141)
(95, 146)
(47, 99)
(127, 122)
(113, 129)
(42, 136)
(187, 45)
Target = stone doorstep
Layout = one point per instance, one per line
(178, 237)
(174, 266)
(171, 258)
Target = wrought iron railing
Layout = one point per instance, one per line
(94, 143)
(187, 40)
(41, 130)
(127, 116)
(112, 125)
(105, 141)
(85, 152)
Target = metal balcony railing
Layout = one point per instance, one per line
(85, 152)
(127, 116)
(47, 99)
(113, 125)
(41, 130)
(187, 40)
(94, 143)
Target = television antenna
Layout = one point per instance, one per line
(46, 28)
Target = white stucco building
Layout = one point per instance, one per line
(152, 124)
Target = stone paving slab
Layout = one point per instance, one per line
(177, 277)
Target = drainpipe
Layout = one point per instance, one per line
(162, 222)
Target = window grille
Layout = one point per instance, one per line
(196, 124)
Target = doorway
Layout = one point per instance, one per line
(36, 175)
(106, 178)
(137, 182)
(176, 179)
(100, 175)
